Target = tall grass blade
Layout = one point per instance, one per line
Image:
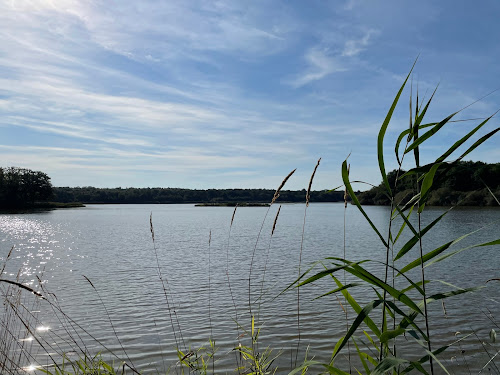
(389, 335)
(356, 307)
(406, 133)
(462, 140)
(347, 286)
(443, 257)
(345, 178)
(361, 273)
(322, 274)
(425, 258)
(357, 322)
(388, 364)
(335, 370)
(428, 134)
(406, 222)
(479, 142)
(383, 129)
(409, 245)
(426, 186)
(361, 356)
(421, 114)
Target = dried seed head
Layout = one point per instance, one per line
(277, 193)
(346, 194)
(151, 226)
(234, 213)
(6, 259)
(308, 194)
(275, 220)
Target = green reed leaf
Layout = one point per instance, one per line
(405, 133)
(418, 364)
(361, 273)
(383, 129)
(388, 364)
(443, 257)
(462, 140)
(357, 322)
(421, 113)
(428, 134)
(345, 178)
(409, 245)
(419, 283)
(411, 321)
(339, 289)
(356, 307)
(335, 370)
(322, 274)
(444, 295)
(426, 257)
(389, 335)
(362, 357)
(304, 366)
(406, 222)
(426, 186)
(479, 142)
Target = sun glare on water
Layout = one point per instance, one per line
(30, 368)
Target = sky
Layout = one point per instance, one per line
(236, 94)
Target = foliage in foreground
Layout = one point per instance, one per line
(398, 312)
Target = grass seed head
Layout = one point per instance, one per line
(308, 194)
(277, 193)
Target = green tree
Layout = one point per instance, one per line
(20, 187)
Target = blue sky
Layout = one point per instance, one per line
(220, 94)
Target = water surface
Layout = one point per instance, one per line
(196, 251)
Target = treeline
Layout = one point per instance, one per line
(20, 187)
(464, 183)
(176, 195)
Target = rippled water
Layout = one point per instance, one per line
(111, 246)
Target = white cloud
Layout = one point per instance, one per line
(189, 86)
(171, 28)
(321, 64)
(353, 47)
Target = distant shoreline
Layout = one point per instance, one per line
(232, 204)
(40, 206)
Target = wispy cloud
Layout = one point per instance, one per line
(331, 56)
(201, 93)
(354, 46)
(320, 64)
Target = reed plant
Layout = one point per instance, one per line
(394, 312)
(395, 316)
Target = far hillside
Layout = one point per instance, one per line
(464, 183)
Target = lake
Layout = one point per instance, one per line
(100, 266)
